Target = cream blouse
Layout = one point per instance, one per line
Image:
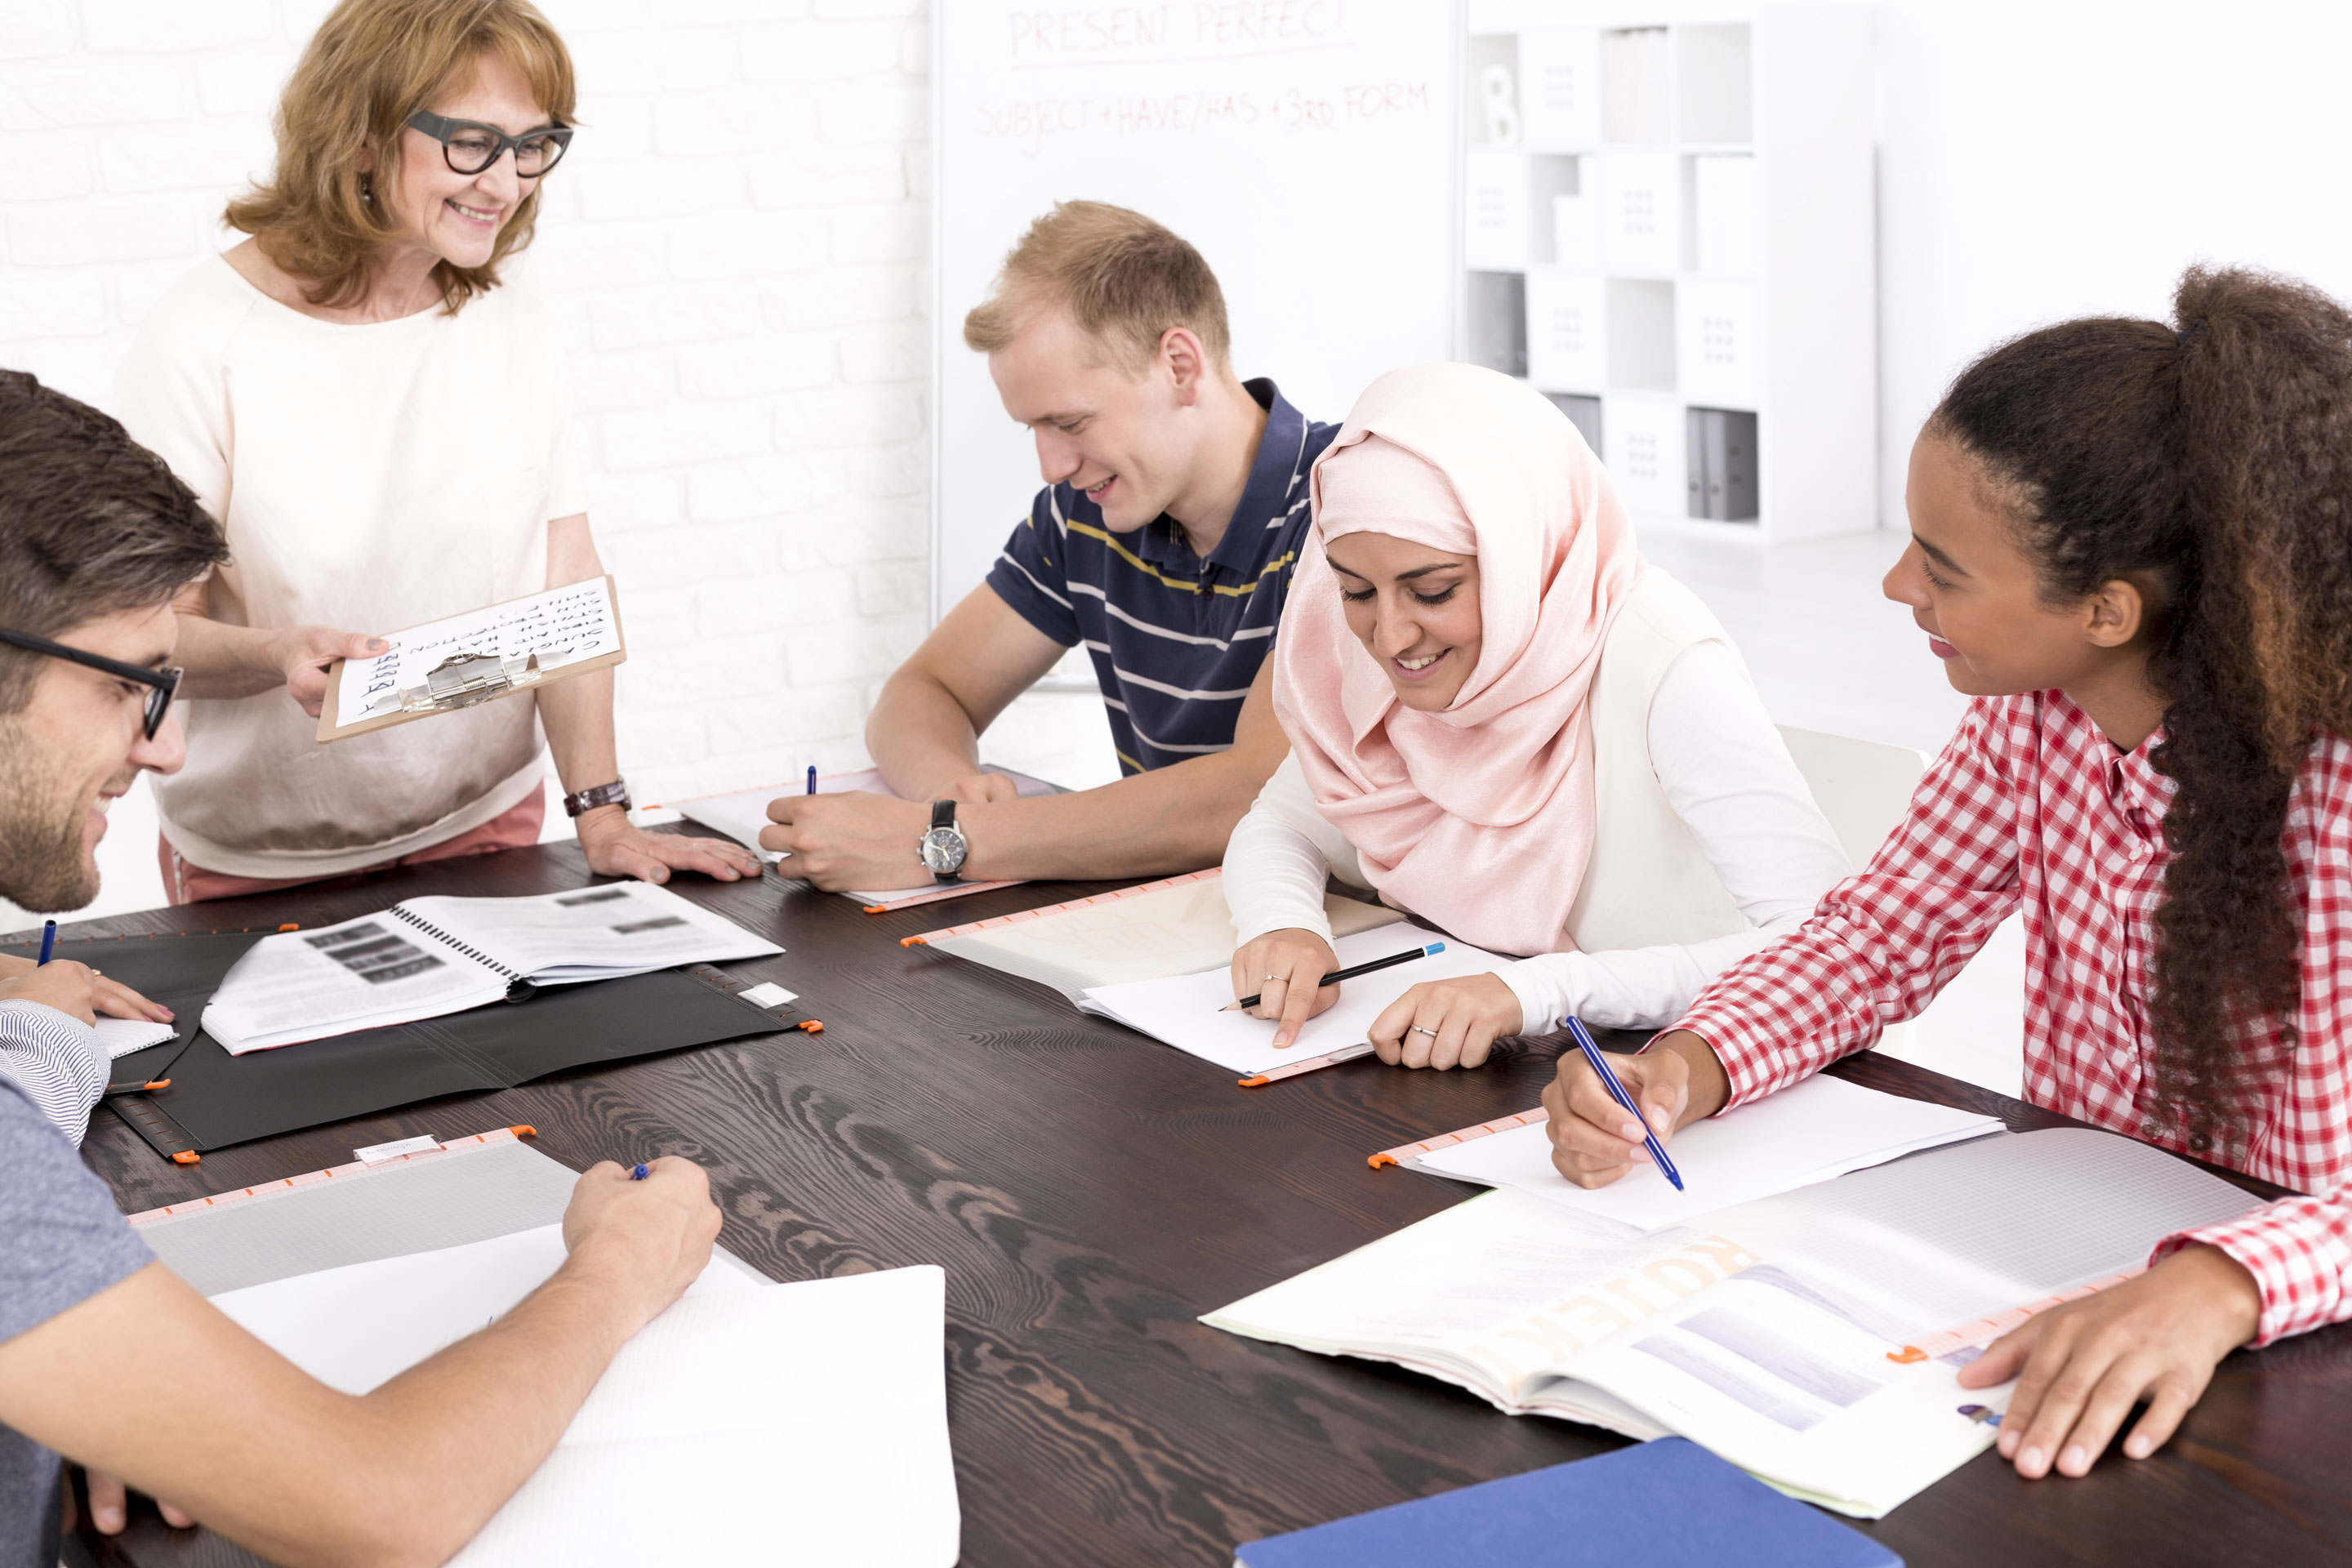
(371, 477)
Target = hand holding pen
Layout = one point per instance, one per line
(1596, 1139)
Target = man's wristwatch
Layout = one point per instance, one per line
(614, 793)
(943, 847)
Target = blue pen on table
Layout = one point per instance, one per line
(49, 942)
(1617, 1092)
(639, 1174)
(811, 778)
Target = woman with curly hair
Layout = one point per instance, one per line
(2132, 543)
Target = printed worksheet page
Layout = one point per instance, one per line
(364, 974)
(592, 933)
(561, 626)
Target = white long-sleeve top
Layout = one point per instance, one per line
(1727, 774)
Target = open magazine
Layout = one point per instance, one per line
(1782, 1333)
(426, 957)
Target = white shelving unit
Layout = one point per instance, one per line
(1667, 225)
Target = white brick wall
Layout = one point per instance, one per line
(736, 247)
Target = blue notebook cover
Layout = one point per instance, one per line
(1667, 1504)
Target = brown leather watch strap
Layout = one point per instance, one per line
(614, 793)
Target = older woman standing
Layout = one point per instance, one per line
(380, 425)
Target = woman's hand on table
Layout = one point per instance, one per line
(616, 847)
(304, 653)
(1446, 1023)
(1285, 969)
(110, 998)
(1677, 1080)
(2082, 1367)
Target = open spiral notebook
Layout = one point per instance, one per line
(426, 957)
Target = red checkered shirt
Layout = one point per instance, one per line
(2030, 806)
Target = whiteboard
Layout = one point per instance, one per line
(1307, 148)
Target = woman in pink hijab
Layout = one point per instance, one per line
(1506, 721)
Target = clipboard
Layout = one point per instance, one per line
(474, 675)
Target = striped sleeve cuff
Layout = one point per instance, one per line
(55, 1061)
(2297, 1250)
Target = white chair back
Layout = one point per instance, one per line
(1863, 787)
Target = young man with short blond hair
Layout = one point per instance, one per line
(1164, 541)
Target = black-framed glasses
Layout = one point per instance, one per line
(161, 683)
(469, 146)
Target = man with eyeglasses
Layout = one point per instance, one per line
(105, 1355)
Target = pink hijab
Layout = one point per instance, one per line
(1479, 818)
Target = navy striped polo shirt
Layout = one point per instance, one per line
(1176, 639)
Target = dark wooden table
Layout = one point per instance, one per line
(1090, 1191)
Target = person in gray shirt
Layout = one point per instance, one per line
(95, 538)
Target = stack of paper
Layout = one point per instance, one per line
(815, 1413)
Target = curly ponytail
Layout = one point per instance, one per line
(2213, 456)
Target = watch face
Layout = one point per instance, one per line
(944, 850)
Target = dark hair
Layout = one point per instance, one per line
(90, 523)
(2214, 455)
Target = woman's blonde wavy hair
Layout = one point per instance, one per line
(371, 64)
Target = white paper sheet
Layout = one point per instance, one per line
(814, 1411)
(120, 1037)
(1821, 1128)
(1184, 1010)
(561, 626)
(807, 1419)
(355, 1327)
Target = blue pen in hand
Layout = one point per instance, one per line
(639, 1174)
(49, 942)
(1617, 1092)
(811, 778)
